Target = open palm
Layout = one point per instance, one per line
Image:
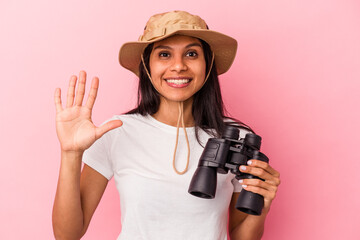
(75, 130)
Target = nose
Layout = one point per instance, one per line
(178, 64)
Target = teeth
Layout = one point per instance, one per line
(178, 81)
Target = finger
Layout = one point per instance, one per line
(261, 173)
(275, 179)
(80, 89)
(107, 127)
(71, 92)
(57, 99)
(93, 93)
(256, 171)
(258, 183)
(269, 195)
(263, 165)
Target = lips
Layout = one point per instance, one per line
(178, 81)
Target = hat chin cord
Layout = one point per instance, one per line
(180, 118)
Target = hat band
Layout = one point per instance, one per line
(160, 32)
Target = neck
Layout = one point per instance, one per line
(168, 113)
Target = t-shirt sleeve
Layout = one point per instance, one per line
(98, 156)
(236, 184)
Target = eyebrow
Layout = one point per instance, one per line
(187, 46)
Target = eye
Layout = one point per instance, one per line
(164, 54)
(192, 54)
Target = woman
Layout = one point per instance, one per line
(177, 60)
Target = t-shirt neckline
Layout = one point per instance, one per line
(168, 127)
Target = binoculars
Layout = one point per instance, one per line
(227, 153)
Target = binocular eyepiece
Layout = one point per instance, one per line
(227, 153)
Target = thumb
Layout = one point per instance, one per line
(107, 127)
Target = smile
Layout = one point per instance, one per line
(178, 81)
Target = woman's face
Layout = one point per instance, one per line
(177, 66)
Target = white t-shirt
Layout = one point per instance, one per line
(154, 199)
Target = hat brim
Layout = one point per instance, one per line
(223, 46)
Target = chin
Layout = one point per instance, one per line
(178, 98)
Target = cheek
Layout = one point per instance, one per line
(201, 71)
(201, 67)
(157, 70)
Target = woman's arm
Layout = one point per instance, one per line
(78, 194)
(77, 197)
(244, 226)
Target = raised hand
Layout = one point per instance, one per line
(75, 130)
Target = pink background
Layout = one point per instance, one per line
(295, 80)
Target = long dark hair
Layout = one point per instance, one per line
(208, 108)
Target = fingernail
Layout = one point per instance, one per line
(241, 181)
(244, 186)
(249, 162)
(243, 168)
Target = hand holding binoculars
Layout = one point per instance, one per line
(227, 153)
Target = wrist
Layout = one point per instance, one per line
(71, 158)
(72, 154)
(265, 212)
(71, 162)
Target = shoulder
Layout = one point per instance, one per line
(130, 121)
(137, 123)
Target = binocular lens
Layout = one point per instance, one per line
(231, 133)
(250, 203)
(203, 183)
(253, 140)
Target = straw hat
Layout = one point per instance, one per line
(163, 25)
